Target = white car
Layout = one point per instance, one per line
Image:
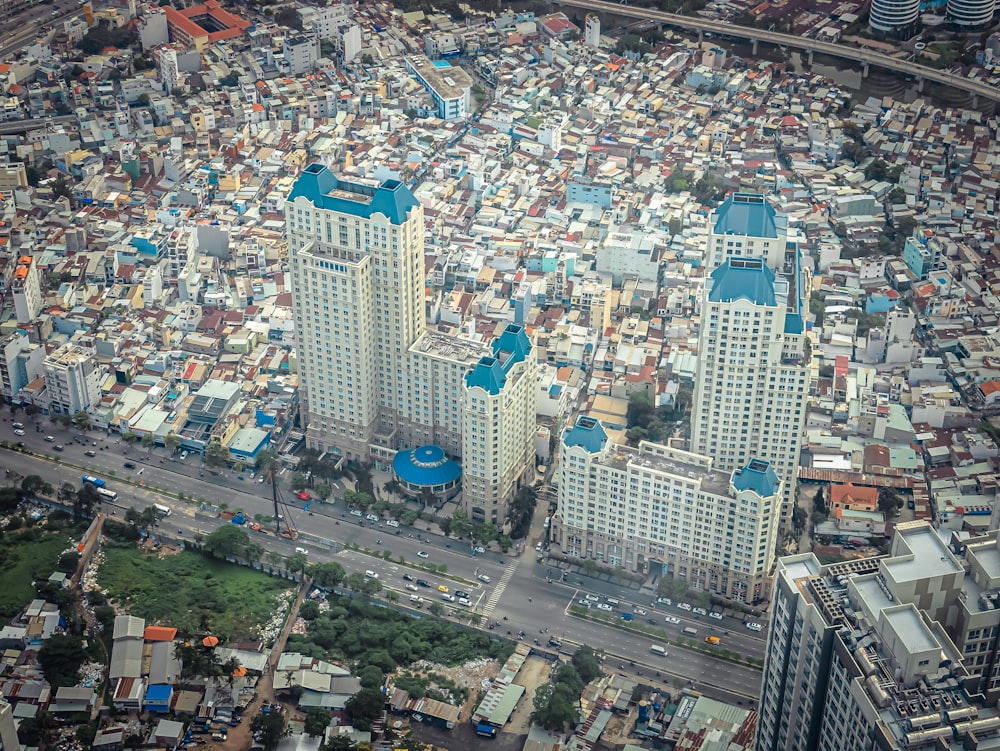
(640, 611)
(700, 611)
(184, 455)
(369, 574)
(412, 587)
(302, 550)
(683, 606)
(372, 518)
(583, 603)
(593, 598)
(603, 606)
(18, 431)
(479, 549)
(392, 523)
(423, 554)
(671, 619)
(484, 578)
(754, 626)
(465, 601)
(664, 601)
(716, 616)
(448, 598)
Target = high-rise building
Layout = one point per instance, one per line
(72, 380)
(971, 13)
(8, 729)
(374, 381)
(894, 17)
(592, 30)
(26, 289)
(21, 362)
(657, 509)
(895, 652)
(752, 380)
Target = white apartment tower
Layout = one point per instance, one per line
(26, 289)
(592, 31)
(663, 510)
(21, 362)
(358, 273)
(749, 396)
(72, 380)
(894, 652)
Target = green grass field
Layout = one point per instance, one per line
(23, 561)
(197, 595)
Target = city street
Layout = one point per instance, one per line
(518, 589)
(26, 25)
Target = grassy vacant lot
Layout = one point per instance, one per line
(197, 595)
(27, 555)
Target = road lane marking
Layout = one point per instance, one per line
(499, 589)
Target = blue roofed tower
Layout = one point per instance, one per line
(752, 379)
(357, 263)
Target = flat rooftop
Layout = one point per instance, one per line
(449, 83)
(919, 553)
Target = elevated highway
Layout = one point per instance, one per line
(865, 57)
(12, 127)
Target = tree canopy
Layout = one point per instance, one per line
(60, 659)
(365, 707)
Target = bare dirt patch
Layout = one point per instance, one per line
(534, 673)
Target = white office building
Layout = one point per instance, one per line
(656, 509)
(752, 380)
(21, 362)
(26, 289)
(895, 652)
(894, 17)
(72, 380)
(449, 86)
(374, 381)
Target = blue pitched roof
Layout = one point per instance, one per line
(316, 183)
(757, 476)
(746, 214)
(743, 278)
(587, 433)
(490, 373)
(794, 324)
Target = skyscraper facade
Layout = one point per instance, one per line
(752, 379)
(894, 652)
(374, 380)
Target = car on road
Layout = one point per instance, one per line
(639, 611)
(392, 523)
(479, 549)
(716, 616)
(671, 619)
(700, 611)
(50, 439)
(652, 622)
(422, 583)
(303, 495)
(443, 588)
(754, 626)
(423, 554)
(603, 606)
(412, 588)
(484, 578)
(90, 452)
(584, 603)
(372, 518)
(626, 616)
(447, 597)
(664, 601)
(684, 606)
(460, 594)
(465, 601)
(129, 465)
(184, 455)
(18, 431)
(57, 447)
(592, 598)
(369, 574)
(302, 550)
(407, 578)
(355, 512)
(20, 444)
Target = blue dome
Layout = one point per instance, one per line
(425, 466)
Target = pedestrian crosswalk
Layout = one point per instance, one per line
(498, 590)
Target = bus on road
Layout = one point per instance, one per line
(97, 482)
(108, 495)
(164, 510)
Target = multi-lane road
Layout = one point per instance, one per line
(518, 596)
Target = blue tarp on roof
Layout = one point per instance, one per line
(587, 433)
(746, 214)
(392, 198)
(743, 278)
(758, 477)
(426, 466)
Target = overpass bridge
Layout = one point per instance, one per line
(865, 57)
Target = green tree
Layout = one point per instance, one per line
(270, 728)
(889, 500)
(316, 722)
(409, 517)
(309, 610)
(355, 581)
(588, 667)
(60, 659)
(265, 460)
(297, 562)
(555, 708)
(365, 707)
(300, 481)
(81, 420)
(371, 676)
(343, 743)
(461, 527)
(819, 502)
(324, 490)
(216, 455)
(172, 441)
(328, 574)
(392, 487)
(437, 609)
(36, 485)
(227, 540)
(85, 501)
(148, 440)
